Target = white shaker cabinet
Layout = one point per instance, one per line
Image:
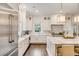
(23, 45)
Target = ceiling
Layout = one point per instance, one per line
(52, 8)
(48, 8)
(7, 9)
(5, 5)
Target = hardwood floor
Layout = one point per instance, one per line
(36, 50)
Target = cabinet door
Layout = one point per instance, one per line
(38, 39)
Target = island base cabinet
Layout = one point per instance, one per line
(51, 50)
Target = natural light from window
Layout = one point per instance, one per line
(61, 18)
(76, 19)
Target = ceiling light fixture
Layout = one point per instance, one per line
(61, 10)
(37, 11)
(61, 17)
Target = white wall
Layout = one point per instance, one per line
(29, 23)
(45, 24)
(54, 19)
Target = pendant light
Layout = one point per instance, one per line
(61, 8)
(61, 17)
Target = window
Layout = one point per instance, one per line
(76, 19)
(61, 18)
(37, 28)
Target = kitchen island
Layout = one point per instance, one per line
(53, 41)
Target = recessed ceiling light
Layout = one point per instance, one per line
(37, 11)
(24, 6)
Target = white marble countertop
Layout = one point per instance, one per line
(61, 40)
(23, 37)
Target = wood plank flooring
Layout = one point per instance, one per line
(36, 50)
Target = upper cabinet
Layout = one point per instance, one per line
(76, 19)
(58, 19)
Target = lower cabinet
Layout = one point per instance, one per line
(23, 45)
(38, 39)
